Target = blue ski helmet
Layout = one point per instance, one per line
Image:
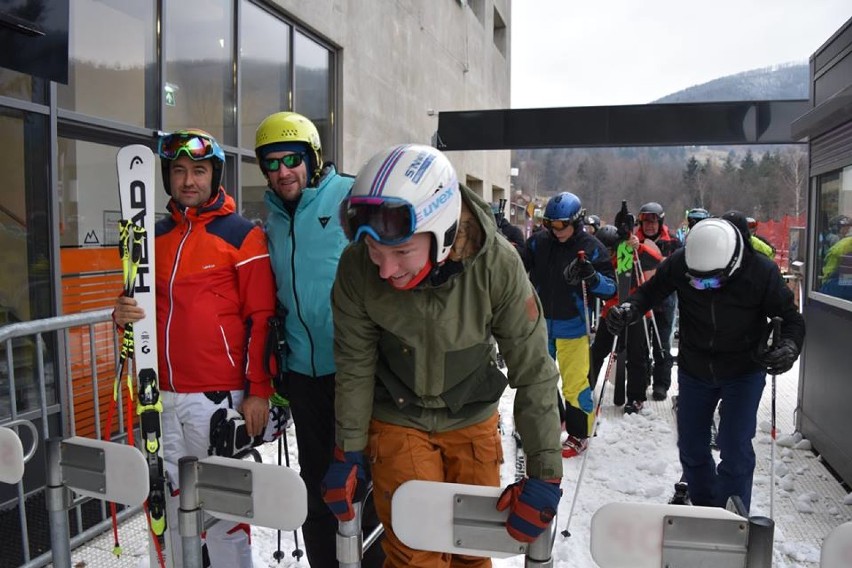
(565, 206)
(696, 215)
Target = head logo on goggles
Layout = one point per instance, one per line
(194, 146)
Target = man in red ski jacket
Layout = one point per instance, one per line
(215, 294)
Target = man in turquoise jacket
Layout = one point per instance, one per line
(305, 243)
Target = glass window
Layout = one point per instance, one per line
(253, 187)
(313, 88)
(22, 86)
(199, 83)
(89, 207)
(834, 234)
(264, 68)
(25, 278)
(112, 58)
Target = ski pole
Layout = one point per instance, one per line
(776, 337)
(640, 275)
(297, 553)
(566, 533)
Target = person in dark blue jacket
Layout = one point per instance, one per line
(305, 244)
(558, 274)
(726, 294)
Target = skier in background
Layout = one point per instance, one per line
(557, 273)
(215, 294)
(418, 295)
(637, 341)
(653, 228)
(725, 292)
(758, 243)
(302, 192)
(592, 223)
(512, 233)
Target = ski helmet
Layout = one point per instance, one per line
(594, 221)
(695, 215)
(838, 222)
(714, 251)
(652, 208)
(402, 191)
(564, 207)
(290, 132)
(197, 145)
(752, 224)
(608, 235)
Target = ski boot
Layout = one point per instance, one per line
(681, 494)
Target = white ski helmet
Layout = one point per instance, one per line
(714, 249)
(402, 191)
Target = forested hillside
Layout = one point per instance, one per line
(764, 182)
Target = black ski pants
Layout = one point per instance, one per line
(637, 358)
(312, 404)
(664, 314)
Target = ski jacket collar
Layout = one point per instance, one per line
(219, 205)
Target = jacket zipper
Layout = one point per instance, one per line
(295, 292)
(166, 342)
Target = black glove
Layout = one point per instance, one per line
(780, 358)
(578, 271)
(620, 317)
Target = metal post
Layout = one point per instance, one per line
(58, 502)
(761, 533)
(540, 551)
(349, 544)
(189, 513)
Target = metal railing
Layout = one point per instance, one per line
(44, 365)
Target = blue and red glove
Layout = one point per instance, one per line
(532, 504)
(345, 482)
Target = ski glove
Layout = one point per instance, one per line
(578, 271)
(620, 317)
(780, 358)
(532, 504)
(345, 482)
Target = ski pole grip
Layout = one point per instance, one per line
(581, 254)
(776, 330)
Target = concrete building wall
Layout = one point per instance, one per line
(403, 61)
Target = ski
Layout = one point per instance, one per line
(520, 457)
(624, 281)
(136, 187)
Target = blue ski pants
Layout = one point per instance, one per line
(710, 485)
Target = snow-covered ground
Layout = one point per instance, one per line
(632, 459)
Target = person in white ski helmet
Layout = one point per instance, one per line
(726, 293)
(417, 296)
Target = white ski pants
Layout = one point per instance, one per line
(186, 432)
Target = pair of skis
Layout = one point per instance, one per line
(135, 165)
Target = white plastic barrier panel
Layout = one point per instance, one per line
(124, 468)
(11, 456)
(837, 548)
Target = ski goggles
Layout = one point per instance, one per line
(195, 146)
(388, 220)
(289, 161)
(706, 281)
(650, 217)
(556, 224)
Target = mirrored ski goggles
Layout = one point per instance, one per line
(707, 281)
(388, 220)
(195, 146)
(651, 217)
(289, 161)
(556, 224)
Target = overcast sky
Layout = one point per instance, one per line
(616, 52)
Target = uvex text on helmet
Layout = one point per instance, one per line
(422, 177)
(714, 245)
